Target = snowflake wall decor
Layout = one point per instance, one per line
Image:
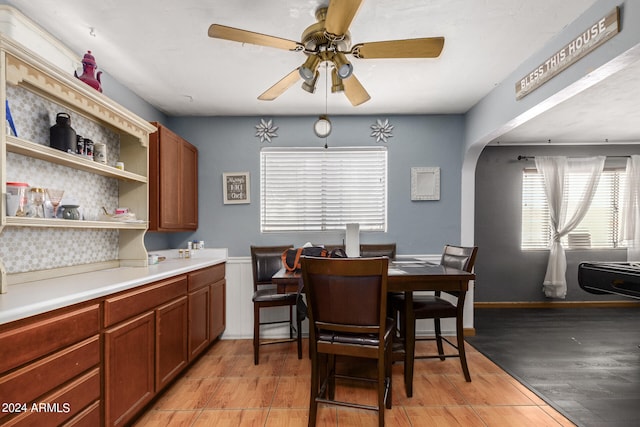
(381, 131)
(265, 130)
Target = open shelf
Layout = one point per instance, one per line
(14, 221)
(42, 152)
(26, 71)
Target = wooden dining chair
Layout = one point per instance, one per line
(378, 249)
(347, 312)
(266, 261)
(438, 307)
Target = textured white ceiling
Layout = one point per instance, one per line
(161, 51)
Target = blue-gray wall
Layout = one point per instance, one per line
(229, 144)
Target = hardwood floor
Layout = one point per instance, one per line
(225, 388)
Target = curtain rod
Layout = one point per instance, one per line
(608, 157)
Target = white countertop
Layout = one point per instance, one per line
(28, 299)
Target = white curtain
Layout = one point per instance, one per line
(554, 170)
(630, 218)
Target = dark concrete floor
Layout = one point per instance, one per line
(585, 362)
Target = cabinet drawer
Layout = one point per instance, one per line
(56, 408)
(206, 276)
(43, 376)
(90, 417)
(39, 338)
(138, 301)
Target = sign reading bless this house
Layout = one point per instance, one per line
(590, 39)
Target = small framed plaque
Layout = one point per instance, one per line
(236, 187)
(425, 183)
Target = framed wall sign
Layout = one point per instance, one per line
(236, 187)
(425, 183)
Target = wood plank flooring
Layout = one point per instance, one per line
(225, 388)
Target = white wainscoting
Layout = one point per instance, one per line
(240, 308)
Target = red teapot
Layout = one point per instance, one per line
(88, 72)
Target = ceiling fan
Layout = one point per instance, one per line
(328, 40)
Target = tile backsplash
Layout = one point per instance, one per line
(24, 249)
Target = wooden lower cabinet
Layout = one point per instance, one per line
(199, 303)
(156, 346)
(129, 368)
(50, 367)
(100, 363)
(171, 340)
(218, 309)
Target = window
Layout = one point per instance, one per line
(315, 189)
(598, 229)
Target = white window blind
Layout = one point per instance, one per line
(598, 229)
(318, 189)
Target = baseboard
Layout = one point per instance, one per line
(556, 304)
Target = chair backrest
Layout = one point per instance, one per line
(346, 295)
(376, 250)
(266, 261)
(459, 257)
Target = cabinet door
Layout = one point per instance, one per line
(170, 177)
(189, 184)
(218, 309)
(171, 340)
(199, 302)
(173, 182)
(129, 368)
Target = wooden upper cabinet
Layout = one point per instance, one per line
(173, 182)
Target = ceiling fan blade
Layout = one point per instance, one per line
(340, 14)
(279, 88)
(354, 91)
(244, 36)
(429, 47)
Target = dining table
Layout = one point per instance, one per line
(407, 276)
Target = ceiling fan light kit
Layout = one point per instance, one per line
(329, 40)
(308, 69)
(310, 85)
(336, 82)
(343, 66)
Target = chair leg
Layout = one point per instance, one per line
(461, 350)
(315, 385)
(388, 373)
(299, 339)
(256, 334)
(331, 374)
(382, 373)
(290, 322)
(323, 372)
(403, 326)
(436, 324)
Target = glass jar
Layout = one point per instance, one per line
(17, 200)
